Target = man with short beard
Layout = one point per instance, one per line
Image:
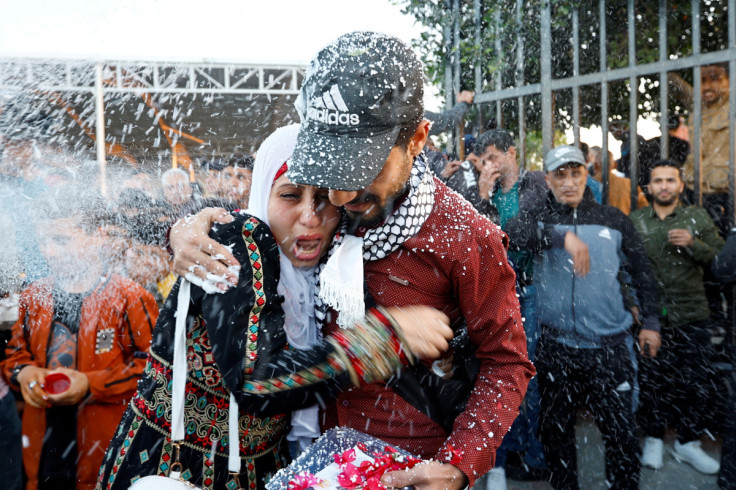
(680, 242)
(414, 242)
(714, 129)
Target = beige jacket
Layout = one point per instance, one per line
(619, 192)
(713, 149)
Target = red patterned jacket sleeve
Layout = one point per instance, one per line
(485, 286)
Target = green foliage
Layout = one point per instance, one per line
(534, 155)
(499, 23)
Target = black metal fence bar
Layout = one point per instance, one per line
(456, 81)
(498, 76)
(656, 67)
(519, 80)
(633, 105)
(456, 45)
(447, 32)
(575, 74)
(477, 16)
(663, 83)
(604, 99)
(509, 93)
(697, 107)
(546, 76)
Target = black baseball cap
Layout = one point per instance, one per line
(357, 94)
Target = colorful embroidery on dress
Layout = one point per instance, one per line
(250, 467)
(305, 377)
(132, 431)
(164, 465)
(254, 255)
(208, 473)
(206, 405)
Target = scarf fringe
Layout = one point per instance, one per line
(348, 303)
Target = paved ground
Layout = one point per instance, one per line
(674, 476)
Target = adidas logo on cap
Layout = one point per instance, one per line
(331, 109)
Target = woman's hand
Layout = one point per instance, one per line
(196, 255)
(425, 330)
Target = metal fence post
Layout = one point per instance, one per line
(477, 17)
(447, 35)
(697, 114)
(633, 109)
(576, 73)
(498, 76)
(100, 128)
(605, 169)
(519, 80)
(663, 87)
(546, 73)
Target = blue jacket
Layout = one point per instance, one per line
(588, 311)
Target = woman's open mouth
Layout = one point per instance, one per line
(307, 247)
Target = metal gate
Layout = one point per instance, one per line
(520, 90)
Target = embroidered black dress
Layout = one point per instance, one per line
(235, 341)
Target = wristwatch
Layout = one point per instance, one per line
(15, 373)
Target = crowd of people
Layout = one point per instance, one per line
(209, 325)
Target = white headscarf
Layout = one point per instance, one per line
(297, 286)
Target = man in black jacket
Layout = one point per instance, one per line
(502, 191)
(586, 354)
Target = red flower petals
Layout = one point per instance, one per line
(452, 455)
(367, 475)
(346, 457)
(350, 477)
(304, 481)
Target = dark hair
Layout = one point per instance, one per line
(407, 131)
(242, 161)
(500, 138)
(673, 122)
(668, 163)
(585, 149)
(723, 65)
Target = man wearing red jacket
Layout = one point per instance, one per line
(92, 327)
(417, 242)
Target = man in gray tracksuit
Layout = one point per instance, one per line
(586, 353)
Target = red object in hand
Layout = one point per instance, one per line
(57, 383)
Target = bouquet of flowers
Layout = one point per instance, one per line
(345, 459)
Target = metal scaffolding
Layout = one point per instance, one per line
(226, 93)
(150, 77)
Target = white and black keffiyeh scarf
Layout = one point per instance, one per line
(341, 276)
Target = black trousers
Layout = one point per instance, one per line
(677, 386)
(602, 379)
(727, 475)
